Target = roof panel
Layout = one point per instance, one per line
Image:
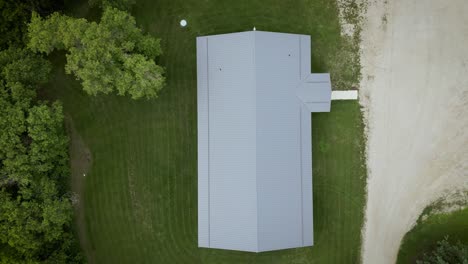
(232, 126)
(278, 67)
(203, 159)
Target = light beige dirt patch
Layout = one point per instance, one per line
(415, 95)
(80, 163)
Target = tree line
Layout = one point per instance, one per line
(35, 208)
(112, 56)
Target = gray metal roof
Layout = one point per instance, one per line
(255, 96)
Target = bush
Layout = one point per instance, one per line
(446, 253)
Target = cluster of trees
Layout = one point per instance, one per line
(446, 253)
(15, 15)
(120, 4)
(35, 207)
(112, 55)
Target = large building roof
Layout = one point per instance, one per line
(255, 96)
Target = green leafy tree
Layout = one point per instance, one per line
(19, 65)
(16, 14)
(35, 209)
(120, 4)
(112, 55)
(446, 253)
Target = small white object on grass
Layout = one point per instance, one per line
(84, 174)
(255, 29)
(183, 23)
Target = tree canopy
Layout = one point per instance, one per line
(112, 55)
(35, 208)
(446, 253)
(15, 14)
(120, 4)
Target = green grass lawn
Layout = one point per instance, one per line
(425, 235)
(140, 194)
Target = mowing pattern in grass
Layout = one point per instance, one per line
(141, 192)
(425, 235)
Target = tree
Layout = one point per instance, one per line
(35, 208)
(446, 253)
(120, 4)
(15, 14)
(21, 66)
(112, 55)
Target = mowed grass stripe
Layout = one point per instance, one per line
(109, 206)
(337, 208)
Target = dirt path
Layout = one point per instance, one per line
(80, 161)
(415, 93)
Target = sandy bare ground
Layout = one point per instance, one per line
(415, 94)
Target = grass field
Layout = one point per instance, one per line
(139, 198)
(425, 235)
